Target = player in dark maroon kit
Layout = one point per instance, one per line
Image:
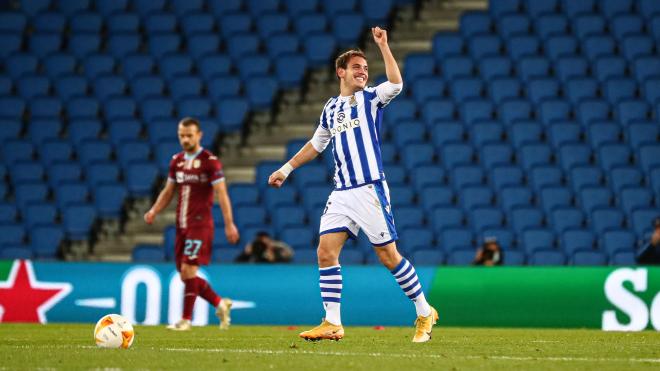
(198, 175)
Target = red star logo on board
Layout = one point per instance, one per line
(24, 299)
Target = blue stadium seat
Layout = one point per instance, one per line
(573, 8)
(514, 110)
(557, 46)
(509, 25)
(408, 217)
(144, 253)
(465, 88)
(553, 110)
(475, 22)
(642, 133)
(603, 133)
(480, 46)
(613, 155)
(526, 48)
(417, 65)
(31, 86)
(146, 86)
(12, 22)
(547, 258)
(416, 155)
(642, 221)
(579, 89)
(11, 234)
(174, 64)
(524, 217)
(16, 64)
(511, 197)
(604, 219)
(615, 240)
(554, 197)
(570, 67)
(635, 46)
(503, 176)
(123, 22)
(446, 217)
(433, 197)
(525, 132)
(618, 89)
(627, 24)
(456, 238)
(274, 198)
(475, 196)
(494, 67)
(535, 239)
(250, 215)
(437, 110)
(574, 154)
(646, 67)
(347, 27)
(261, 91)
(299, 238)
(587, 25)
(26, 171)
(427, 176)
(39, 131)
(414, 238)
(43, 43)
(428, 88)
(402, 195)
(502, 89)
(183, 7)
(12, 108)
(36, 214)
(466, 175)
(124, 131)
(565, 218)
(100, 172)
(446, 44)
(194, 107)
(86, 22)
(45, 241)
(634, 198)
(160, 22)
(243, 194)
(10, 42)
(305, 257)
(162, 44)
(8, 212)
(534, 154)
(16, 251)
(231, 113)
(226, 254)
(140, 178)
(610, 8)
(82, 108)
(17, 150)
(588, 258)
(64, 171)
(597, 46)
(630, 110)
(537, 9)
(548, 25)
(26, 193)
(83, 130)
(648, 157)
(624, 176)
(288, 216)
(594, 197)
(463, 256)
(590, 110)
(428, 257)
(78, 220)
(45, 107)
(70, 86)
(648, 8)
(623, 258)
(486, 218)
(119, 108)
(310, 22)
(109, 200)
(109, 85)
(213, 64)
(457, 66)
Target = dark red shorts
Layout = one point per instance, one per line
(193, 246)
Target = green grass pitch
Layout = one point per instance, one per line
(71, 346)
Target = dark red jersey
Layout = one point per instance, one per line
(195, 176)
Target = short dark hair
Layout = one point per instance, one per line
(343, 58)
(262, 234)
(190, 121)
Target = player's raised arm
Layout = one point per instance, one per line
(391, 68)
(306, 154)
(231, 231)
(163, 200)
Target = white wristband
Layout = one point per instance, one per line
(286, 169)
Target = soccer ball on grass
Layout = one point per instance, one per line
(114, 331)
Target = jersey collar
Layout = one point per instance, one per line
(187, 156)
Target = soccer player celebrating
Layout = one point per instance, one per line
(198, 174)
(350, 123)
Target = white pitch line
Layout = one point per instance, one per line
(366, 354)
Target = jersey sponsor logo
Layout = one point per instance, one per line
(182, 177)
(196, 164)
(342, 127)
(340, 117)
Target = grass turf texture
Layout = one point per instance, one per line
(71, 346)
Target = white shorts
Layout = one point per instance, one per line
(366, 207)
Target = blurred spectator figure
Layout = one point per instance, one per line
(489, 253)
(650, 251)
(264, 249)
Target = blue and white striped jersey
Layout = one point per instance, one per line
(352, 126)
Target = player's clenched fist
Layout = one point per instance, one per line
(231, 232)
(380, 35)
(276, 179)
(149, 216)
